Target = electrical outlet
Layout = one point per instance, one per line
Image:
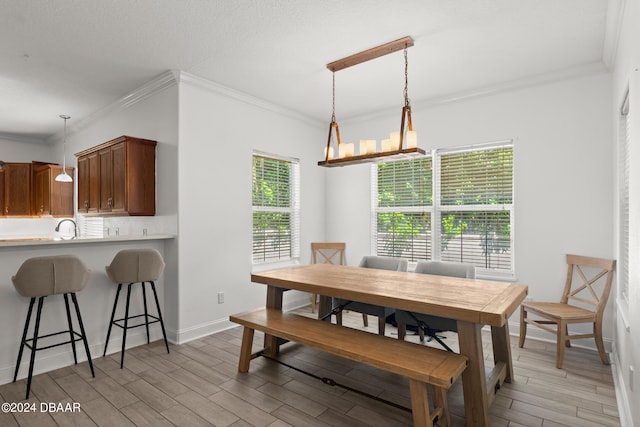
(220, 297)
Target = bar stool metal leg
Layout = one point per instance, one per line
(113, 314)
(164, 334)
(71, 334)
(84, 335)
(24, 338)
(34, 344)
(126, 321)
(146, 313)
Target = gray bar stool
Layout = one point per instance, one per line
(135, 266)
(41, 277)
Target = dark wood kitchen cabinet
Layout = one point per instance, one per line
(88, 183)
(118, 178)
(1, 189)
(17, 189)
(50, 197)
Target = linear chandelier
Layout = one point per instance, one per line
(399, 144)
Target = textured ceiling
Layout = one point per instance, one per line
(76, 56)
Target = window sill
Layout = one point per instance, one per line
(274, 265)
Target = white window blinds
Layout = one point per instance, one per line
(624, 136)
(276, 219)
(476, 200)
(451, 206)
(403, 194)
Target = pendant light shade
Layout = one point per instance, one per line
(63, 177)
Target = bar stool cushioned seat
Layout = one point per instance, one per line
(132, 266)
(41, 277)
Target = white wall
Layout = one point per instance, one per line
(627, 343)
(218, 131)
(562, 165)
(20, 151)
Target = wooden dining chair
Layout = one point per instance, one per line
(326, 253)
(588, 284)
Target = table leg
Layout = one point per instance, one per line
(474, 383)
(274, 300)
(325, 307)
(502, 348)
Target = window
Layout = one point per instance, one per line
(275, 196)
(468, 193)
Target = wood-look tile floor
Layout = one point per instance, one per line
(197, 384)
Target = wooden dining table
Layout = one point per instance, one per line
(473, 303)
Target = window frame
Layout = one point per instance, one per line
(293, 210)
(436, 209)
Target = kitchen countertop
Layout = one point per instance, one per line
(42, 241)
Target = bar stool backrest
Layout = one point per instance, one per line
(135, 265)
(50, 275)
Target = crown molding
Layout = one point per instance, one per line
(591, 69)
(202, 83)
(152, 87)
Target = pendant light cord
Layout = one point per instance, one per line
(333, 96)
(64, 145)
(406, 79)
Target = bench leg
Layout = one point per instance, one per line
(440, 401)
(245, 350)
(420, 403)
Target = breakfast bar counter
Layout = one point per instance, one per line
(49, 241)
(96, 300)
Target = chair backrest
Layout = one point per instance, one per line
(135, 265)
(446, 268)
(328, 252)
(384, 263)
(50, 275)
(588, 281)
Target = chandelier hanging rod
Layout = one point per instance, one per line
(369, 54)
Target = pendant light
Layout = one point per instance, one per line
(403, 144)
(63, 177)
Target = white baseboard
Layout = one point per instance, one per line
(624, 406)
(220, 325)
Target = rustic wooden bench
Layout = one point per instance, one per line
(422, 365)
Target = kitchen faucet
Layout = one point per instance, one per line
(75, 226)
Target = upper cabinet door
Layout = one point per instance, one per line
(42, 191)
(119, 177)
(105, 161)
(1, 189)
(51, 197)
(17, 189)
